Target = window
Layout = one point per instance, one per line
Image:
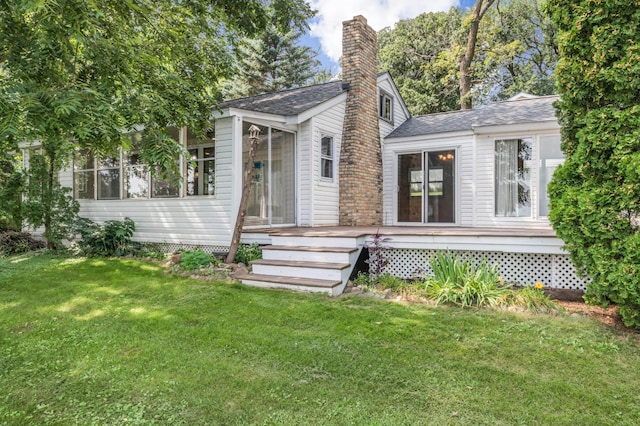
(550, 158)
(513, 178)
(109, 178)
(136, 184)
(84, 175)
(385, 106)
(326, 157)
(169, 187)
(124, 175)
(201, 165)
(165, 188)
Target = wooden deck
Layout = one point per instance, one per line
(427, 231)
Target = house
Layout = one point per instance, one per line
(336, 163)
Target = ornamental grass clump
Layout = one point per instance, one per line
(531, 299)
(460, 282)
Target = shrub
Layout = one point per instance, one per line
(248, 252)
(362, 280)
(377, 260)
(113, 238)
(459, 282)
(151, 250)
(18, 242)
(197, 259)
(388, 281)
(594, 195)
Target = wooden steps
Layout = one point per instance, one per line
(303, 263)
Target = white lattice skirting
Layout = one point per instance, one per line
(555, 271)
(173, 247)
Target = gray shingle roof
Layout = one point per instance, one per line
(521, 111)
(288, 102)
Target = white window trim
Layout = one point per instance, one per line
(122, 170)
(382, 97)
(534, 179)
(331, 158)
(457, 182)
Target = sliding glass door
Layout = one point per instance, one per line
(273, 186)
(427, 187)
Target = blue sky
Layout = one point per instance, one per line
(326, 27)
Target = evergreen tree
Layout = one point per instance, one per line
(272, 62)
(595, 195)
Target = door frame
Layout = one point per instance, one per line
(268, 169)
(456, 181)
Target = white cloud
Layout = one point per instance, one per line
(327, 25)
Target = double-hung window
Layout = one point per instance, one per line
(385, 106)
(201, 165)
(327, 149)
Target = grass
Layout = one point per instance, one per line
(95, 341)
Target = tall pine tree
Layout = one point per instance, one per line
(272, 62)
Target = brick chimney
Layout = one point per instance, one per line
(360, 167)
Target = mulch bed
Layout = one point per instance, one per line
(571, 300)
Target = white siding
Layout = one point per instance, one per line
(399, 114)
(306, 158)
(485, 201)
(475, 161)
(188, 220)
(326, 193)
(465, 183)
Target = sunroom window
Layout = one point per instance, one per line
(136, 184)
(109, 177)
(169, 187)
(201, 164)
(84, 175)
(551, 157)
(122, 175)
(513, 178)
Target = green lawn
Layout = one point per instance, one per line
(94, 341)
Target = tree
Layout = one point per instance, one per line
(11, 188)
(515, 51)
(78, 74)
(271, 62)
(521, 51)
(466, 58)
(419, 55)
(595, 195)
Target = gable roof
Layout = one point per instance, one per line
(288, 102)
(517, 111)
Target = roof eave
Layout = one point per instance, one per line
(313, 111)
(539, 125)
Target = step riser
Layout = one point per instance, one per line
(305, 256)
(314, 241)
(301, 272)
(335, 291)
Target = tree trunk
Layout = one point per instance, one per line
(244, 200)
(466, 59)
